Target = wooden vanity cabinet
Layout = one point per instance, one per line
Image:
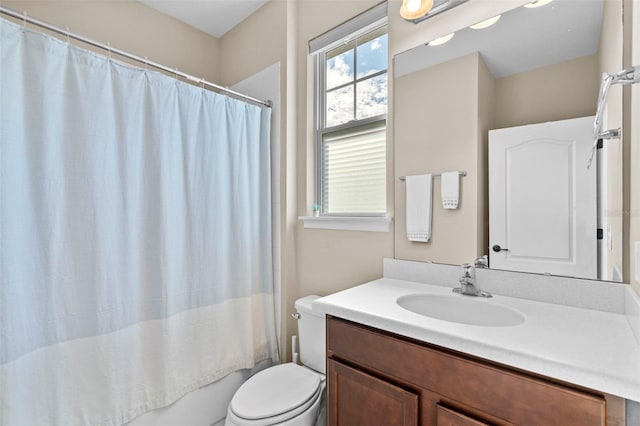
(378, 378)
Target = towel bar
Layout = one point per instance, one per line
(462, 173)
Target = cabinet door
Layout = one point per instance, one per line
(448, 417)
(355, 398)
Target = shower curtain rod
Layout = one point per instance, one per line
(65, 32)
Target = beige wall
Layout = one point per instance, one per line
(556, 92)
(261, 40)
(133, 27)
(436, 130)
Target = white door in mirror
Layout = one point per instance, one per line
(542, 199)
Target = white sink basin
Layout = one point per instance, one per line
(461, 309)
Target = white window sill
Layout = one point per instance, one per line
(348, 223)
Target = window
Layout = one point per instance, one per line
(351, 108)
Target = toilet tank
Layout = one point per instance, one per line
(311, 334)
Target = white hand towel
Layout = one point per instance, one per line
(450, 190)
(419, 208)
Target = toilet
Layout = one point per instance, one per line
(287, 394)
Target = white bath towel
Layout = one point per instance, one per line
(450, 190)
(419, 207)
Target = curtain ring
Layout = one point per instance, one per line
(68, 37)
(175, 73)
(24, 20)
(146, 64)
(109, 50)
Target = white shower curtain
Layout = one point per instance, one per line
(135, 236)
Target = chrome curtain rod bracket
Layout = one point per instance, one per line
(462, 173)
(627, 76)
(610, 134)
(106, 47)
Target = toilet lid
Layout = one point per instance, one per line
(275, 391)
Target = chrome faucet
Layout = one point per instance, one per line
(468, 279)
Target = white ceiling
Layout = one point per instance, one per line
(214, 17)
(522, 40)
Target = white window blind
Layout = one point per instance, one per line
(354, 170)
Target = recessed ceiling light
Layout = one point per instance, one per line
(537, 3)
(441, 40)
(486, 23)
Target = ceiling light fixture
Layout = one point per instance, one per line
(417, 11)
(414, 9)
(441, 40)
(537, 3)
(486, 23)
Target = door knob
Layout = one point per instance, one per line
(498, 249)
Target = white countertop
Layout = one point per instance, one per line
(590, 348)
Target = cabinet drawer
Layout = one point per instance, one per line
(448, 417)
(515, 397)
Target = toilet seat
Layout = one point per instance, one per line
(277, 394)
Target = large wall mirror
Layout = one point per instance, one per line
(511, 102)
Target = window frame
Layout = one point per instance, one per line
(320, 95)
